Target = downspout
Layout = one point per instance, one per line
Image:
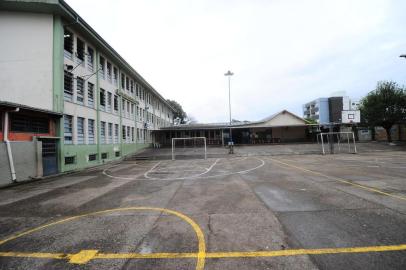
(8, 146)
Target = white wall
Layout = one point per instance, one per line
(26, 59)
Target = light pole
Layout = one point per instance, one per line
(230, 143)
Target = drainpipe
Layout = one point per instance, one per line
(9, 153)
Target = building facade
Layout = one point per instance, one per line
(317, 110)
(64, 76)
(281, 127)
(331, 110)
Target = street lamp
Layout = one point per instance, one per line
(403, 56)
(230, 143)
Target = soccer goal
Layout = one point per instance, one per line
(193, 147)
(337, 142)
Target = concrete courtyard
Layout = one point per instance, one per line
(250, 211)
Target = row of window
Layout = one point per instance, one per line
(85, 91)
(108, 101)
(91, 157)
(109, 132)
(106, 71)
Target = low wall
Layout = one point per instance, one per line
(25, 161)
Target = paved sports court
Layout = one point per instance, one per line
(245, 212)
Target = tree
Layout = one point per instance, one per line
(310, 121)
(179, 112)
(384, 106)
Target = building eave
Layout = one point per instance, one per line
(12, 105)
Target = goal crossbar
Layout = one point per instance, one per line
(188, 138)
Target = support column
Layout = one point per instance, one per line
(57, 85)
(97, 100)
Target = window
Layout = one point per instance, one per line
(92, 157)
(128, 108)
(69, 160)
(109, 72)
(351, 116)
(102, 132)
(115, 76)
(80, 92)
(110, 133)
(68, 86)
(90, 94)
(90, 59)
(67, 134)
(117, 153)
(102, 67)
(102, 99)
(132, 86)
(136, 90)
(90, 131)
(124, 132)
(116, 135)
(132, 135)
(127, 84)
(128, 134)
(138, 134)
(68, 44)
(132, 109)
(26, 123)
(123, 106)
(115, 103)
(80, 124)
(80, 51)
(109, 97)
(122, 81)
(104, 155)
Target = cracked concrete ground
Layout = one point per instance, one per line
(241, 204)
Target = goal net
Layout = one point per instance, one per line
(193, 147)
(337, 142)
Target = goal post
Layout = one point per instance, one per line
(187, 143)
(337, 142)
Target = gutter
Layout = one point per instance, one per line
(8, 146)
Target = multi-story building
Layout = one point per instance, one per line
(331, 110)
(317, 110)
(86, 101)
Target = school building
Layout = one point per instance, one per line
(68, 100)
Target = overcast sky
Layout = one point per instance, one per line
(283, 53)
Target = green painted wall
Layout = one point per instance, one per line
(57, 83)
(81, 153)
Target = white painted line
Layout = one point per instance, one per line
(200, 176)
(150, 170)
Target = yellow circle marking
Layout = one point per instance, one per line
(88, 255)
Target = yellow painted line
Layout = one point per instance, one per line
(38, 255)
(198, 231)
(85, 256)
(296, 252)
(342, 180)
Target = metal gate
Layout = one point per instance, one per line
(49, 157)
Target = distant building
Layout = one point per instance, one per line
(317, 110)
(340, 109)
(281, 127)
